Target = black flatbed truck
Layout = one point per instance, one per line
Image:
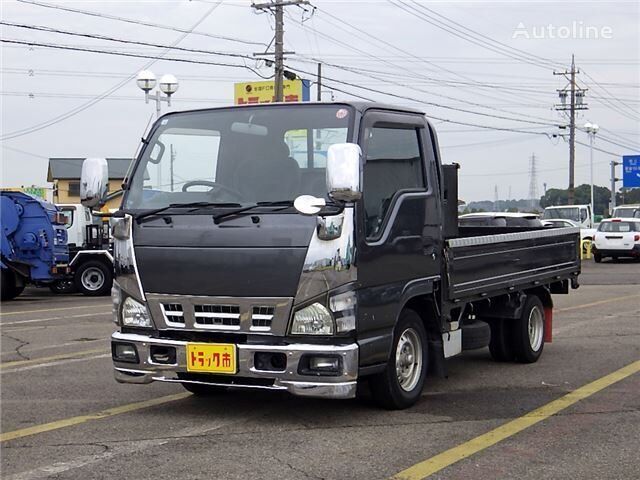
(312, 247)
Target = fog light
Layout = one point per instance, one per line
(271, 362)
(324, 363)
(330, 365)
(164, 355)
(124, 352)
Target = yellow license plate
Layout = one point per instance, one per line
(211, 357)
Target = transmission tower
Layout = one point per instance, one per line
(533, 181)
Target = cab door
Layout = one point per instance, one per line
(399, 237)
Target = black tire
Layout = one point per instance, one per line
(9, 288)
(475, 335)
(93, 278)
(501, 344)
(597, 257)
(528, 346)
(63, 287)
(386, 389)
(201, 390)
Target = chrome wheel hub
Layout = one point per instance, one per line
(409, 359)
(535, 328)
(92, 279)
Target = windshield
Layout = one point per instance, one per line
(619, 227)
(569, 213)
(629, 212)
(238, 156)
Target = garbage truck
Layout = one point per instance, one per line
(34, 243)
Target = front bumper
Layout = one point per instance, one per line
(248, 376)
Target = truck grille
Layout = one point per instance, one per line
(173, 313)
(225, 316)
(262, 315)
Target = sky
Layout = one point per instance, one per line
(482, 71)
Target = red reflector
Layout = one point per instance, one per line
(636, 238)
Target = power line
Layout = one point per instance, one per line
(90, 103)
(140, 22)
(120, 40)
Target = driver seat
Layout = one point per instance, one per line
(273, 177)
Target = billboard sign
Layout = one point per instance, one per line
(246, 93)
(631, 171)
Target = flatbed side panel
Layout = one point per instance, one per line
(490, 263)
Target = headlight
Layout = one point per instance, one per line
(343, 307)
(135, 314)
(312, 320)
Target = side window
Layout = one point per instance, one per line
(393, 163)
(583, 214)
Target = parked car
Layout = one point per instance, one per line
(617, 237)
(500, 219)
(585, 233)
(626, 211)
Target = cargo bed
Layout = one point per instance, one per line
(484, 262)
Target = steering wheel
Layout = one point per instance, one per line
(213, 185)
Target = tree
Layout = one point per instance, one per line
(601, 196)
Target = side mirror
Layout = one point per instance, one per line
(94, 182)
(343, 172)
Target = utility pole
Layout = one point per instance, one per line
(319, 83)
(533, 181)
(613, 185)
(576, 97)
(277, 8)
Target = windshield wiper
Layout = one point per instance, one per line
(193, 206)
(282, 203)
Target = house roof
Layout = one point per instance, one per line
(71, 168)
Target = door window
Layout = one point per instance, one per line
(393, 164)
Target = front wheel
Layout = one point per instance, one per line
(10, 286)
(528, 331)
(93, 278)
(401, 383)
(597, 257)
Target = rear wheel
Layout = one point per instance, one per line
(401, 383)
(63, 286)
(93, 278)
(10, 287)
(528, 331)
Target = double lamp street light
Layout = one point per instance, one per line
(168, 85)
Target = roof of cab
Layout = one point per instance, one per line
(360, 106)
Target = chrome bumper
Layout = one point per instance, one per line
(343, 386)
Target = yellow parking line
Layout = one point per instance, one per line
(445, 459)
(102, 305)
(61, 356)
(68, 422)
(593, 304)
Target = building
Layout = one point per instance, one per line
(65, 175)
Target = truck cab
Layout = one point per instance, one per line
(309, 247)
(581, 214)
(91, 260)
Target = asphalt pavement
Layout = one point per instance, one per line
(63, 416)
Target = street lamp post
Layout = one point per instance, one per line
(168, 85)
(591, 129)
